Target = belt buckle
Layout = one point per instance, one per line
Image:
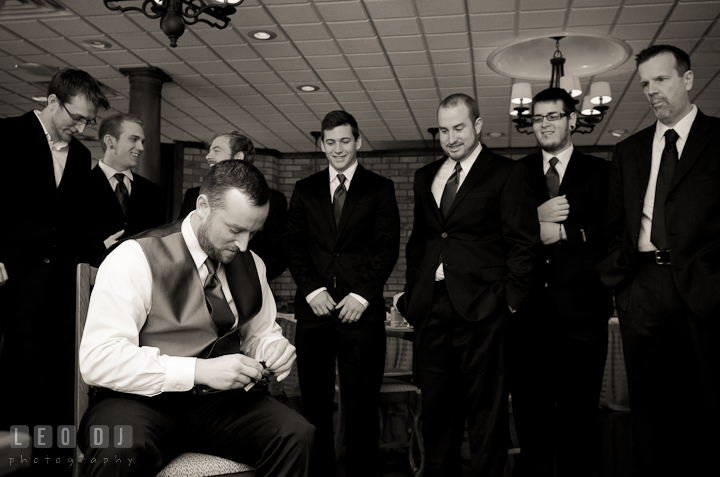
(662, 257)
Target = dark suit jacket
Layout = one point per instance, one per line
(486, 241)
(357, 256)
(267, 243)
(564, 275)
(146, 209)
(692, 215)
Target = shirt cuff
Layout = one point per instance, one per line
(312, 295)
(362, 300)
(179, 374)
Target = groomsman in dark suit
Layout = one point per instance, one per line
(469, 260)
(268, 242)
(342, 240)
(559, 340)
(121, 200)
(44, 175)
(664, 264)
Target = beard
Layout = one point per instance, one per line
(218, 254)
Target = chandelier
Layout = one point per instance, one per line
(175, 14)
(594, 104)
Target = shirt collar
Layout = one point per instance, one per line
(349, 172)
(467, 164)
(562, 157)
(191, 240)
(109, 171)
(54, 145)
(682, 128)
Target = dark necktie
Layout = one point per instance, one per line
(121, 192)
(450, 191)
(668, 162)
(339, 198)
(552, 178)
(215, 300)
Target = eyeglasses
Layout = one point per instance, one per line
(79, 120)
(538, 118)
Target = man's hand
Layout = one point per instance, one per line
(350, 309)
(554, 210)
(322, 304)
(3, 274)
(230, 371)
(549, 233)
(279, 357)
(112, 240)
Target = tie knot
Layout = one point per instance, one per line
(120, 177)
(341, 178)
(211, 265)
(458, 167)
(553, 161)
(671, 137)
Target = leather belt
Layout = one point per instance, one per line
(658, 257)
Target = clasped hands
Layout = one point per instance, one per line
(233, 371)
(551, 213)
(350, 309)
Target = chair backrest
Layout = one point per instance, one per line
(84, 282)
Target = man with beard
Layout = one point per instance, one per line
(469, 260)
(664, 264)
(181, 319)
(558, 343)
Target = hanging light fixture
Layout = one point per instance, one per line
(175, 14)
(594, 105)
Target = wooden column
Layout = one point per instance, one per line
(145, 98)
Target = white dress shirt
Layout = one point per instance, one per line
(59, 151)
(438, 186)
(110, 174)
(682, 128)
(334, 184)
(110, 354)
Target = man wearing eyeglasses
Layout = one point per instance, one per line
(558, 342)
(44, 172)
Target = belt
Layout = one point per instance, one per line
(658, 257)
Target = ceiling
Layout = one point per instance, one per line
(388, 62)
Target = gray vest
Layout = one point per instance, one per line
(179, 323)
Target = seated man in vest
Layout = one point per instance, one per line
(181, 320)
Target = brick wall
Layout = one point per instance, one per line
(282, 173)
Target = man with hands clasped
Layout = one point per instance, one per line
(342, 240)
(181, 319)
(558, 342)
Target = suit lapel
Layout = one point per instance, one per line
(322, 191)
(478, 170)
(426, 189)
(697, 141)
(643, 152)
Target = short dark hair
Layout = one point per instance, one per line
(552, 95)
(71, 82)
(334, 119)
(113, 125)
(682, 60)
(457, 98)
(235, 174)
(238, 143)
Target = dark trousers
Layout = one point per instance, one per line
(248, 427)
(360, 351)
(555, 378)
(461, 370)
(673, 368)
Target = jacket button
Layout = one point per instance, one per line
(336, 254)
(47, 260)
(548, 261)
(443, 235)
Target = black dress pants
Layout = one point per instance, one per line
(555, 378)
(248, 427)
(461, 370)
(360, 351)
(673, 367)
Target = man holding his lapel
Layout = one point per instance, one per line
(559, 340)
(342, 241)
(469, 260)
(120, 199)
(664, 264)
